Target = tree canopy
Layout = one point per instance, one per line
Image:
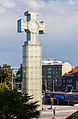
(73, 116)
(15, 105)
(5, 76)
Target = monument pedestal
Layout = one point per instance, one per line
(32, 71)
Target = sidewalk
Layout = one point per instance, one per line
(61, 112)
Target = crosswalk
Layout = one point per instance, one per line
(61, 112)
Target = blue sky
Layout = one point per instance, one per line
(61, 39)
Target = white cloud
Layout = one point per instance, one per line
(4, 4)
(8, 4)
(58, 7)
(61, 7)
(2, 10)
(71, 2)
(33, 4)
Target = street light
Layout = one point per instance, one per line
(53, 85)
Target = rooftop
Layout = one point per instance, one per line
(51, 61)
(74, 70)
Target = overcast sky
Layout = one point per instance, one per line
(61, 39)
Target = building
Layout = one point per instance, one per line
(51, 75)
(17, 77)
(18, 82)
(66, 67)
(70, 80)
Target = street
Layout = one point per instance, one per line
(61, 112)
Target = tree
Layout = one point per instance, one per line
(15, 105)
(6, 76)
(73, 116)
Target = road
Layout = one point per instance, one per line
(61, 112)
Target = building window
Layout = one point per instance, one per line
(59, 68)
(53, 72)
(63, 81)
(63, 85)
(69, 80)
(56, 72)
(49, 76)
(49, 69)
(49, 72)
(44, 76)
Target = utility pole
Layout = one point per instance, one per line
(53, 85)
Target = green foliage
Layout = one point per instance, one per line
(5, 76)
(14, 105)
(73, 116)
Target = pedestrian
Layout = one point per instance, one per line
(53, 111)
(52, 102)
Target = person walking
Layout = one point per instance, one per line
(52, 102)
(53, 110)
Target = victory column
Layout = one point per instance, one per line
(32, 55)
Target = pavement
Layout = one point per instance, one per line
(61, 112)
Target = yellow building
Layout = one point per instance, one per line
(66, 67)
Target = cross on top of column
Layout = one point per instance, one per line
(31, 25)
(31, 15)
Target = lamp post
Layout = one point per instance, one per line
(53, 85)
(45, 85)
